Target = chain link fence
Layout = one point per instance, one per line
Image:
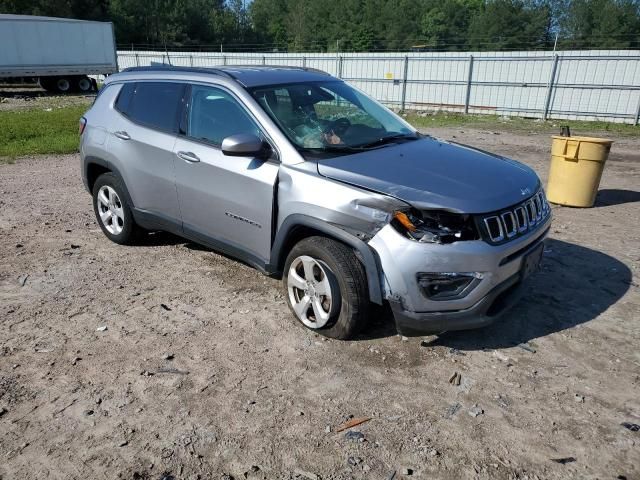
(575, 85)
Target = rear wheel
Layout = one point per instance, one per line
(326, 287)
(113, 213)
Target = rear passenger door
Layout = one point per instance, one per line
(142, 140)
(226, 201)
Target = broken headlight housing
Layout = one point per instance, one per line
(435, 226)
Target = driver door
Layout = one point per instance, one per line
(225, 201)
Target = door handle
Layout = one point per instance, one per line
(122, 135)
(188, 157)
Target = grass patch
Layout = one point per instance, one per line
(29, 132)
(519, 124)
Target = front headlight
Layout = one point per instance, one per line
(434, 226)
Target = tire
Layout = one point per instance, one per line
(334, 268)
(113, 212)
(83, 84)
(63, 85)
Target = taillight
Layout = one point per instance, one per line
(83, 124)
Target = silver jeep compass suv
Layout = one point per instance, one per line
(301, 175)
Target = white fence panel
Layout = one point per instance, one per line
(580, 85)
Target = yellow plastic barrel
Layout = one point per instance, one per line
(576, 168)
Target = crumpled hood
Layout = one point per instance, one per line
(430, 173)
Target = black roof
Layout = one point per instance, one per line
(247, 75)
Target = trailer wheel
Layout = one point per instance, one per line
(83, 84)
(63, 85)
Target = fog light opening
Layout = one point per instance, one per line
(447, 285)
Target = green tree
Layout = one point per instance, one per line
(510, 25)
(601, 23)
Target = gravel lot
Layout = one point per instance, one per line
(202, 372)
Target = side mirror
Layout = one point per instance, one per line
(244, 145)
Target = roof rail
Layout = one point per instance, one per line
(222, 70)
(282, 67)
(172, 68)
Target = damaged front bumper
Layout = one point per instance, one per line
(502, 269)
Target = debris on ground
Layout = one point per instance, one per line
(353, 461)
(354, 435)
(167, 356)
(165, 307)
(578, 398)
(354, 422)
(102, 328)
(22, 279)
(475, 410)
(407, 471)
(455, 379)
(634, 427)
(564, 460)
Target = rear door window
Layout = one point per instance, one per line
(154, 104)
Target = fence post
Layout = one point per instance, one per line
(304, 62)
(547, 102)
(340, 66)
(404, 83)
(635, 122)
(137, 60)
(469, 80)
(224, 59)
(190, 60)
(264, 60)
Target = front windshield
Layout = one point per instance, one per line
(330, 116)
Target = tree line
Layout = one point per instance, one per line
(355, 25)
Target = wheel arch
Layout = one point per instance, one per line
(296, 227)
(96, 166)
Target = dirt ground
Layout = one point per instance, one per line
(29, 97)
(202, 372)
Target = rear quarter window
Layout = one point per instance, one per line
(124, 97)
(152, 104)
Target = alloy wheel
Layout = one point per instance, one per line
(310, 291)
(110, 210)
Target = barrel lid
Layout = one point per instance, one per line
(603, 141)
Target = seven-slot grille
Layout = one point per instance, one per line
(518, 220)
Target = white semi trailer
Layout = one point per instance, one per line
(60, 53)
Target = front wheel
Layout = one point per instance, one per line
(326, 287)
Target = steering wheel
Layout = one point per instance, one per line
(338, 126)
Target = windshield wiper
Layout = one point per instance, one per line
(331, 148)
(389, 139)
